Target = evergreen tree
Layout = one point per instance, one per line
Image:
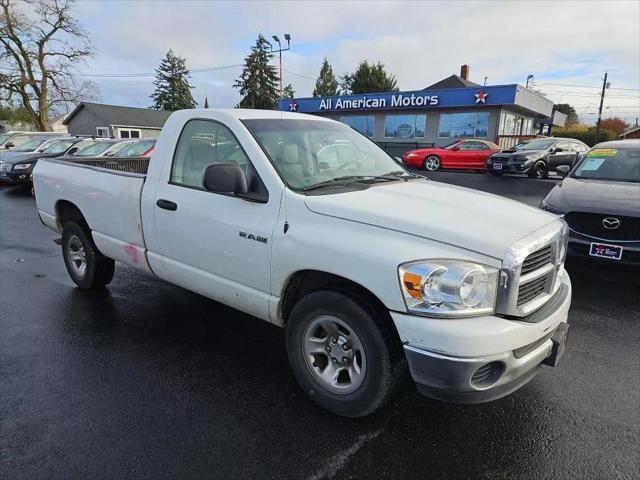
(258, 82)
(326, 84)
(172, 89)
(288, 92)
(370, 78)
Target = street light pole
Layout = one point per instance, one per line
(287, 37)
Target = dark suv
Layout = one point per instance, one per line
(537, 157)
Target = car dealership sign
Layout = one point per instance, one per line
(359, 103)
(455, 97)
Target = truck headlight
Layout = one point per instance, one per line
(22, 166)
(448, 288)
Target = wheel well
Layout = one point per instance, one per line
(67, 211)
(307, 281)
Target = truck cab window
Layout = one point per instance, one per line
(203, 143)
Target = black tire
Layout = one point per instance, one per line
(98, 270)
(431, 163)
(382, 351)
(538, 170)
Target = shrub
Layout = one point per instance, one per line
(587, 136)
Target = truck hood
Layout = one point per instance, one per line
(466, 218)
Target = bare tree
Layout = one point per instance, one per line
(41, 47)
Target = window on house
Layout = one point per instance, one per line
(405, 126)
(129, 133)
(365, 124)
(464, 125)
(102, 132)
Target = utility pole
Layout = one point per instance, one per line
(604, 87)
(287, 37)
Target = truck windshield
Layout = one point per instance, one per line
(309, 153)
(613, 164)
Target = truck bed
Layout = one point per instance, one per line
(107, 191)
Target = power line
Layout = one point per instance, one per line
(588, 86)
(298, 74)
(145, 74)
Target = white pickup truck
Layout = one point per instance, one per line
(303, 222)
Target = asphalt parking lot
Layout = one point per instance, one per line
(147, 380)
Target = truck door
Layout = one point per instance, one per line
(215, 244)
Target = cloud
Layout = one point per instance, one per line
(420, 42)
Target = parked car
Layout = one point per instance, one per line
(465, 154)
(140, 149)
(12, 140)
(104, 147)
(6, 138)
(537, 157)
(600, 200)
(363, 263)
(31, 143)
(17, 169)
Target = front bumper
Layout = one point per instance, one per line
(480, 359)
(507, 167)
(580, 245)
(12, 178)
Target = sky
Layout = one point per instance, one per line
(567, 46)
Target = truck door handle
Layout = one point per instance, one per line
(167, 204)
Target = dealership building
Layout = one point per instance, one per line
(450, 109)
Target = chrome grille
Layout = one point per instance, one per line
(536, 260)
(529, 291)
(530, 269)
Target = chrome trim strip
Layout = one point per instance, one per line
(603, 239)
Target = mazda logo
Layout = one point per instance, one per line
(611, 223)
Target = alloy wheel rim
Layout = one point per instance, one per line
(432, 163)
(334, 354)
(77, 256)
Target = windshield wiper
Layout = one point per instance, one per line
(333, 181)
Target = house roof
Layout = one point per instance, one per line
(454, 81)
(117, 115)
(635, 128)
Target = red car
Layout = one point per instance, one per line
(468, 154)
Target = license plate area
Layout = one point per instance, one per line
(497, 166)
(605, 250)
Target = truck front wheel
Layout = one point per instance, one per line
(341, 352)
(87, 267)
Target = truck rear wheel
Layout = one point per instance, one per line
(341, 352)
(87, 267)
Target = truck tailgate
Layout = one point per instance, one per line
(108, 200)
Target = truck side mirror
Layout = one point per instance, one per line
(563, 170)
(9, 145)
(225, 178)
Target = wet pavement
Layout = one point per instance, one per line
(147, 380)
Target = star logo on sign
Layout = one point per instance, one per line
(481, 97)
(293, 106)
